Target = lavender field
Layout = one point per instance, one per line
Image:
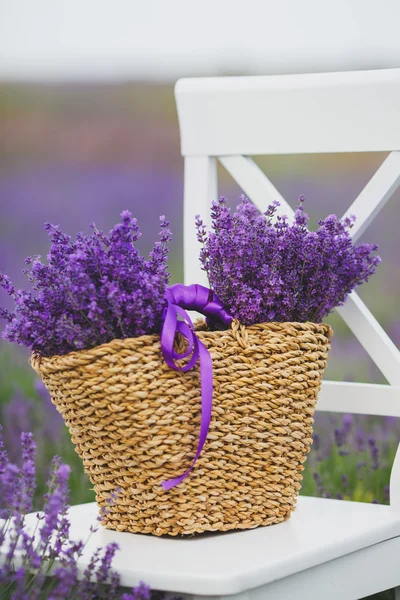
(73, 154)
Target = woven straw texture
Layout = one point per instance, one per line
(135, 423)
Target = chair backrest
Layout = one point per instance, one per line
(228, 118)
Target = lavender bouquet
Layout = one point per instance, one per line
(94, 289)
(276, 271)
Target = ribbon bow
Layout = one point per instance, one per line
(191, 297)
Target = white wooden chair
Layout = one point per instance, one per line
(329, 549)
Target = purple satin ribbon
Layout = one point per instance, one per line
(191, 297)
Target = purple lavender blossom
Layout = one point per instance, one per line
(387, 493)
(50, 545)
(316, 442)
(18, 414)
(360, 467)
(374, 453)
(141, 592)
(318, 483)
(28, 471)
(264, 271)
(93, 290)
(360, 440)
(51, 422)
(23, 414)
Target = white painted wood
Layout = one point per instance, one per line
(353, 575)
(255, 184)
(372, 336)
(394, 486)
(359, 398)
(337, 112)
(200, 189)
(376, 193)
(290, 114)
(319, 531)
(349, 577)
(244, 596)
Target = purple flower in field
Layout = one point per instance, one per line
(362, 462)
(141, 592)
(49, 543)
(348, 422)
(23, 414)
(374, 453)
(265, 271)
(340, 437)
(28, 471)
(316, 442)
(51, 422)
(360, 440)
(92, 290)
(56, 500)
(341, 434)
(318, 483)
(387, 493)
(18, 413)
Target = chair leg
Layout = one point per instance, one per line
(397, 593)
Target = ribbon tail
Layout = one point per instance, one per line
(206, 377)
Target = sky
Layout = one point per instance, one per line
(165, 39)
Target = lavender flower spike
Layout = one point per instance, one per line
(92, 290)
(27, 578)
(275, 271)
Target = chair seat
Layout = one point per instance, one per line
(228, 563)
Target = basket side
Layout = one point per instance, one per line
(135, 423)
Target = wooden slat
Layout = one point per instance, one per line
(200, 189)
(372, 337)
(255, 183)
(290, 114)
(395, 483)
(375, 194)
(359, 398)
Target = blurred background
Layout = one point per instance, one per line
(88, 127)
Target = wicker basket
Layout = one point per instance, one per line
(135, 423)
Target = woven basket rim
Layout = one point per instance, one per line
(131, 343)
